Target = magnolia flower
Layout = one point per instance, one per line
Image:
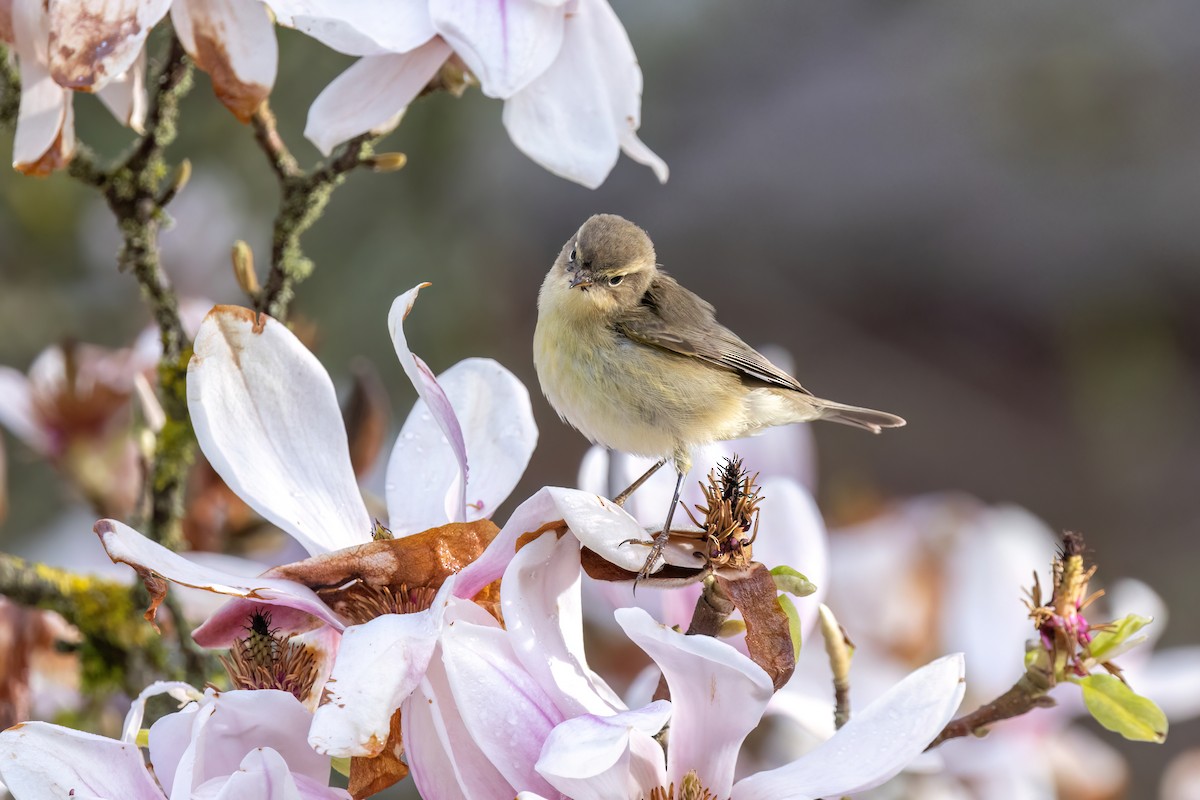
(73, 408)
(222, 746)
(518, 709)
(99, 46)
(565, 69)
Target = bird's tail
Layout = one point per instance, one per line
(865, 418)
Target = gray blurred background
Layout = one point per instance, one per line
(982, 216)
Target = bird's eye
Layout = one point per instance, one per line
(615, 280)
(572, 254)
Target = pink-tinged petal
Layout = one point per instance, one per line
(372, 94)
(266, 416)
(229, 622)
(243, 720)
(577, 115)
(446, 762)
(507, 712)
(170, 740)
(45, 136)
(492, 407)
(606, 528)
(601, 758)
(717, 695)
(362, 27)
(875, 745)
(39, 761)
(792, 533)
(234, 42)
(125, 96)
(94, 41)
(262, 774)
(16, 411)
(127, 546)
(434, 397)
(540, 600)
(379, 664)
(505, 44)
(528, 517)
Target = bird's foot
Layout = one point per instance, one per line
(656, 551)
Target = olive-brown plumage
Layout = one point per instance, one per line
(638, 363)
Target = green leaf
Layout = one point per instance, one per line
(1121, 710)
(341, 765)
(793, 617)
(1105, 644)
(794, 583)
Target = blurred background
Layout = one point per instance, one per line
(984, 217)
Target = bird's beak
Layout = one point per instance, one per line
(582, 277)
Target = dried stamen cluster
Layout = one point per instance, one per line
(732, 499)
(363, 602)
(690, 789)
(266, 660)
(1065, 632)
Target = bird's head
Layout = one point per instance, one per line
(610, 260)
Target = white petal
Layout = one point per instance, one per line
(17, 413)
(717, 697)
(446, 762)
(875, 744)
(372, 94)
(45, 137)
(261, 774)
(505, 44)
(575, 117)
(183, 692)
(499, 434)
(506, 710)
(602, 758)
(266, 416)
(440, 409)
(378, 665)
(539, 597)
(94, 41)
(1172, 680)
(359, 28)
(125, 96)
(126, 545)
(39, 761)
(606, 528)
(234, 42)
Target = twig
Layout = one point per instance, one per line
(119, 651)
(303, 196)
(10, 88)
(1025, 695)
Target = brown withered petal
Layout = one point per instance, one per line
(369, 776)
(768, 637)
(423, 559)
(30, 642)
(600, 569)
(368, 417)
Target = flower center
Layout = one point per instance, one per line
(363, 602)
(690, 789)
(266, 660)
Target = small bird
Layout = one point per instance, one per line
(638, 363)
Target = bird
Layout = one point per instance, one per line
(638, 363)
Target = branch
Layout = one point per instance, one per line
(135, 191)
(303, 199)
(10, 88)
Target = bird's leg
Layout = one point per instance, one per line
(633, 487)
(660, 541)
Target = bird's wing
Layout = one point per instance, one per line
(671, 318)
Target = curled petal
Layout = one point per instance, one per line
(540, 601)
(127, 546)
(183, 692)
(708, 725)
(40, 760)
(45, 137)
(875, 744)
(372, 94)
(125, 96)
(234, 42)
(267, 418)
(506, 45)
(94, 41)
(17, 412)
(428, 389)
(264, 774)
(492, 407)
(577, 116)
